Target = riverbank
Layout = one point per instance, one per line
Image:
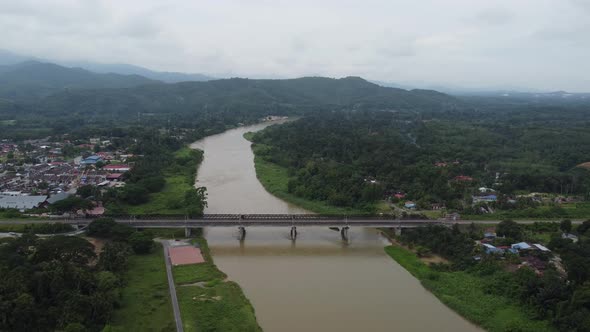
(208, 301)
(180, 178)
(465, 293)
(275, 180)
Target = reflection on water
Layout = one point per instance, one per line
(317, 282)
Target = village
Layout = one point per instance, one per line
(38, 173)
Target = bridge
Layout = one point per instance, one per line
(340, 222)
(241, 221)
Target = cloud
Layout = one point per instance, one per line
(493, 16)
(444, 42)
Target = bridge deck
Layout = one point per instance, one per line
(269, 220)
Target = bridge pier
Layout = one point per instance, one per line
(188, 232)
(344, 233)
(242, 230)
(293, 233)
(397, 231)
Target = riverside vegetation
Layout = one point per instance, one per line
(487, 293)
(355, 159)
(208, 301)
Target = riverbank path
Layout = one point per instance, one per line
(172, 287)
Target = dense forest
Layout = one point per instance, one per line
(61, 283)
(353, 158)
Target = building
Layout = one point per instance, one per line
(484, 199)
(21, 203)
(410, 205)
(92, 160)
(57, 197)
(490, 249)
(120, 168)
(569, 236)
(463, 178)
(521, 246)
(114, 176)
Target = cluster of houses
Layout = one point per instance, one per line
(529, 254)
(36, 173)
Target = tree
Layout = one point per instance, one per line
(141, 242)
(195, 200)
(64, 249)
(70, 204)
(584, 227)
(85, 191)
(101, 227)
(114, 257)
(509, 229)
(566, 226)
(135, 194)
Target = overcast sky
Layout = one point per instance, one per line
(541, 44)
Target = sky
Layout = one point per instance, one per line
(534, 44)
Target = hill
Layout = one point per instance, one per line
(126, 69)
(32, 79)
(251, 98)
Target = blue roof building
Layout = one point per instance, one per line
(91, 160)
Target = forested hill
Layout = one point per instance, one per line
(31, 80)
(332, 156)
(246, 98)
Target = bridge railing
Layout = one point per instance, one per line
(261, 217)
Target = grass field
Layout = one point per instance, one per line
(216, 304)
(464, 293)
(145, 303)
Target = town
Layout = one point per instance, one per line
(38, 173)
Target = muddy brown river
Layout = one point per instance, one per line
(318, 282)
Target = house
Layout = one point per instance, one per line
(410, 205)
(463, 178)
(484, 190)
(490, 249)
(572, 237)
(521, 246)
(484, 199)
(21, 203)
(489, 235)
(57, 197)
(92, 160)
(114, 176)
(541, 247)
(436, 206)
(117, 168)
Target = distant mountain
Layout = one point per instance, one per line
(168, 77)
(10, 58)
(252, 98)
(32, 79)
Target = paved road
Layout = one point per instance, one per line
(172, 288)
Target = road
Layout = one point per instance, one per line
(172, 288)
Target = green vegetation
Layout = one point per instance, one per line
(485, 286)
(467, 294)
(176, 194)
(51, 284)
(145, 300)
(48, 228)
(215, 304)
(354, 159)
(275, 180)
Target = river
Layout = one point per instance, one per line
(318, 282)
